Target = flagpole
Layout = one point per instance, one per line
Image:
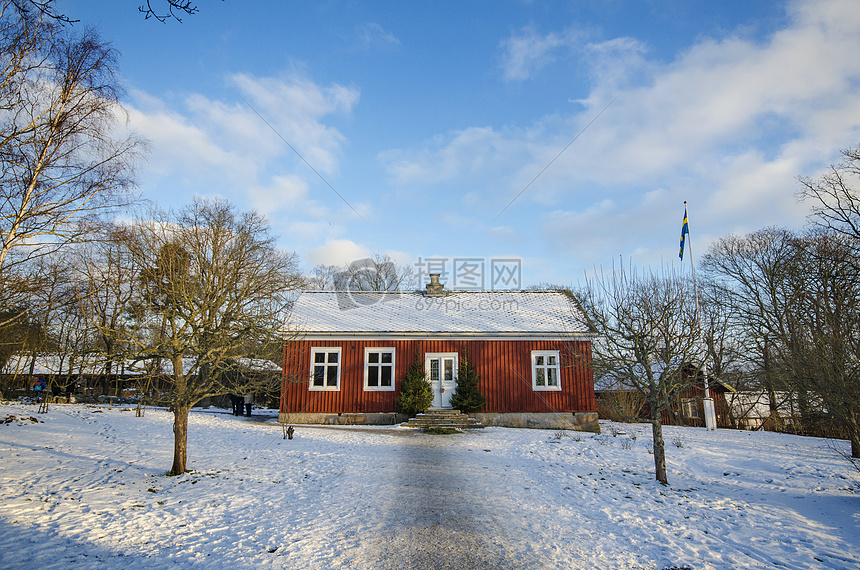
(708, 402)
(693, 268)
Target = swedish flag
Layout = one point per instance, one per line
(685, 229)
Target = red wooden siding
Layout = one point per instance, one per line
(504, 367)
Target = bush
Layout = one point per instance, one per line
(623, 406)
(467, 398)
(415, 393)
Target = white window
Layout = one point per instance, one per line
(325, 369)
(379, 369)
(689, 408)
(545, 370)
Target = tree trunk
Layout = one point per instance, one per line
(854, 436)
(774, 418)
(659, 449)
(180, 439)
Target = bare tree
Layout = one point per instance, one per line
(832, 290)
(51, 279)
(62, 155)
(835, 196)
(754, 276)
(322, 277)
(212, 282)
(826, 358)
(19, 333)
(56, 329)
(172, 9)
(720, 334)
(161, 10)
(108, 275)
(649, 340)
(796, 305)
(728, 354)
(44, 7)
(376, 273)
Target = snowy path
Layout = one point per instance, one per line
(87, 489)
(442, 514)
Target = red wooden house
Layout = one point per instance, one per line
(532, 350)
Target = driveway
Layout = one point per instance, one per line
(438, 514)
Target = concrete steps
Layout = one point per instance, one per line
(443, 419)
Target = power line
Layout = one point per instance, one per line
(554, 159)
(297, 154)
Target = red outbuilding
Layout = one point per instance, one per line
(351, 350)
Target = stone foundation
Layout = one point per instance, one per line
(379, 419)
(574, 421)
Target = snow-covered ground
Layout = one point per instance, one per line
(85, 487)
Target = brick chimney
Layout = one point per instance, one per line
(434, 288)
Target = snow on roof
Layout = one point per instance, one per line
(51, 364)
(473, 313)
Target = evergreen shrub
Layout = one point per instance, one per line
(415, 393)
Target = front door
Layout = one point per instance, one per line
(441, 369)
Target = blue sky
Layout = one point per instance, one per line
(428, 118)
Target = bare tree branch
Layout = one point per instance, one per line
(213, 287)
(649, 340)
(63, 157)
(172, 10)
(836, 196)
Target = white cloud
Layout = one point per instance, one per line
(372, 34)
(177, 146)
(402, 258)
(608, 231)
(728, 124)
(213, 147)
(525, 53)
(294, 108)
(283, 192)
(618, 63)
(473, 150)
(337, 252)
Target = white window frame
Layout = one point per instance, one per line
(690, 408)
(545, 367)
(326, 350)
(380, 350)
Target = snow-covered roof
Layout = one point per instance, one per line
(548, 314)
(612, 383)
(756, 405)
(51, 364)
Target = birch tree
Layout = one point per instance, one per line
(63, 154)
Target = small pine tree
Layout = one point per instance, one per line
(467, 398)
(415, 392)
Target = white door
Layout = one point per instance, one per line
(441, 369)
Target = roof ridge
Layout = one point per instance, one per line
(421, 291)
